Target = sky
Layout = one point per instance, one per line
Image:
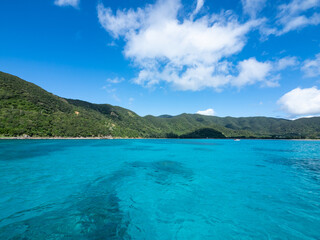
(212, 57)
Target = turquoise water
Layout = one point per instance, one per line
(159, 189)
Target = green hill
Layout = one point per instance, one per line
(26, 109)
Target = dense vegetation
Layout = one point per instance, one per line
(26, 109)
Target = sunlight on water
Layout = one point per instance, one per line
(159, 189)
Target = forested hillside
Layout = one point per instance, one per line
(26, 109)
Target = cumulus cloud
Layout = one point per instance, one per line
(299, 102)
(295, 15)
(208, 112)
(311, 67)
(252, 7)
(251, 71)
(73, 3)
(189, 54)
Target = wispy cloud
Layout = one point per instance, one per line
(295, 15)
(300, 102)
(115, 80)
(286, 62)
(131, 100)
(208, 112)
(198, 7)
(311, 67)
(123, 22)
(73, 3)
(112, 92)
(110, 89)
(253, 7)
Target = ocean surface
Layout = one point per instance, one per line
(159, 189)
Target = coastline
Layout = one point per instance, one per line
(55, 138)
(137, 138)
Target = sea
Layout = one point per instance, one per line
(159, 189)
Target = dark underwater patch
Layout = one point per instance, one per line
(203, 143)
(310, 165)
(163, 171)
(95, 213)
(145, 148)
(202, 149)
(11, 152)
(111, 143)
(275, 150)
(24, 149)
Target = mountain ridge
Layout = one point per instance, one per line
(27, 109)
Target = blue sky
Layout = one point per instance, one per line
(224, 58)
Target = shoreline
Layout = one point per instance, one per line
(140, 138)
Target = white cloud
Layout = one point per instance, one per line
(186, 53)
(311, 68)
(252, 7)
(121, 23)
(198, 7)
(112, 92)
(208, 112)
(300, 22)
(286, 62)
(294, 15)
(73, 3)
(189, 54)
(251, 71)
(109, 89)
(298, 6)
(186, 44)
(115, 80)
(131, 100)
(299, 102)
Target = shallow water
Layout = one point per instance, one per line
(159, 189)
